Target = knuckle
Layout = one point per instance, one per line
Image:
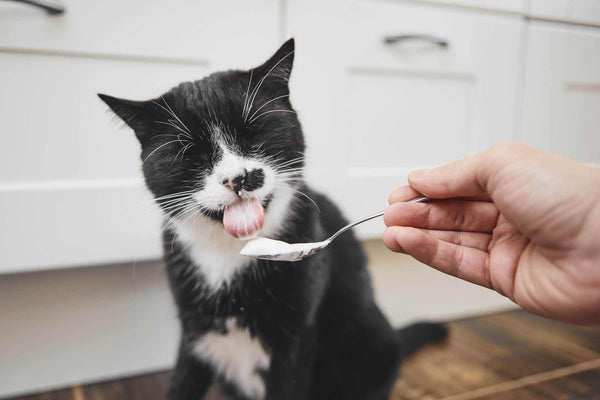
(458, 257)
(486, 274)
(387, 218)
(459, 216)
(428, 218)
(458, 239)
(456, 262)
(389, 239)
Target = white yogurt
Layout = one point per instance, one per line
(271, 249)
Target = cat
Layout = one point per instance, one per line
(223, 157)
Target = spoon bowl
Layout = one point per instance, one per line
(270, 249)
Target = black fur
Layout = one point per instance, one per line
(316, 318)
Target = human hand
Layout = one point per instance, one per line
(513, 219)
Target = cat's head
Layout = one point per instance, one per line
(223, 147)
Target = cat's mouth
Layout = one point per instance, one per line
(245, 218)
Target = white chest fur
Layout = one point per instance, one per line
(215, 253)
(237, 356)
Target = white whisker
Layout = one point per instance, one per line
(176, 203)
(257, 88)
(269, 112)
(171, 124)
(268, 102)
(184, 192)
(158, 148)
(307, 196)
(188, 146)
(175, 115)
(182, 151)
(246, 99)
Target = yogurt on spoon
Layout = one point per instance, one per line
(271, 249)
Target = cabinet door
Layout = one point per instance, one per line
(561, 109)
(372, 111)
(71, 191)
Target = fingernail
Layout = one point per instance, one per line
(420, 173)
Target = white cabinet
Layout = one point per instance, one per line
(561, 105)
(372, 111)
(71, 191)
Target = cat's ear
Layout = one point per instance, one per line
(279, 66)
(138, 115)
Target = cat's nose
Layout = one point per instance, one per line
(247, 181)
(235, 184)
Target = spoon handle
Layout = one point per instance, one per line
(360, 221)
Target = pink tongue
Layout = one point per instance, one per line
(244, 219)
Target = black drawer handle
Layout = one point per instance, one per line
(392, 39)
(51, 7)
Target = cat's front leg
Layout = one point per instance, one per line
(191, 377)
(290, 372)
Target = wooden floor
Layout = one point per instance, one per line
(510, 355)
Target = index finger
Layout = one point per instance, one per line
(471, 176)
(406, 193)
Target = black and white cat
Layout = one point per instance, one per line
(223, 157)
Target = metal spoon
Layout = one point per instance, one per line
(270, 249)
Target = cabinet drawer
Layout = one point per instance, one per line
(185, 29)
(417, 29)
(582, 11)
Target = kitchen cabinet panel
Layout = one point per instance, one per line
(561, 106)
(70, 179)
(221, 32)
(74, 224)
(406, 101)
(59, 129)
